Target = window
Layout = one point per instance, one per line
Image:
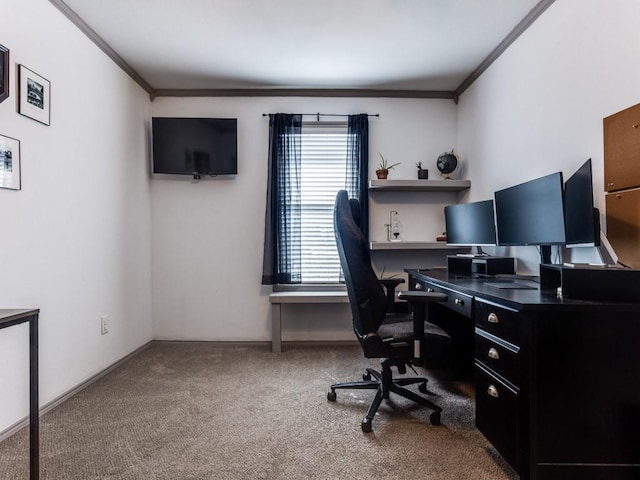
(308, 164)
(323, 173)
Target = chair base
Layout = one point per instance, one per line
(384, 384)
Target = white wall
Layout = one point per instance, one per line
(75, 240)
(539, 108)
(208, 236)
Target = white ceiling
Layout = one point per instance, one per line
(311, 44)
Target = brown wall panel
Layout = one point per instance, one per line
(622, 149)
(623, 225)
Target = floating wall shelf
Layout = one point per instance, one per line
(413, 246)
(419, 185)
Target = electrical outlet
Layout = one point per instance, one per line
(104, 324)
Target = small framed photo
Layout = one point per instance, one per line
(35, 95)
(4, 73)
(9, 163)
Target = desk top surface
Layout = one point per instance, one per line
(521, 299)
(16, 315)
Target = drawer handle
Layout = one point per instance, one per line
(493, 391)
(430, 290)
(458, 301)
(493, 318)
(493, 353)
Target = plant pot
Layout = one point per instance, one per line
(423, 174)
(382, 173)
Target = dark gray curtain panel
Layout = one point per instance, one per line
(282, 254)
(358, 166)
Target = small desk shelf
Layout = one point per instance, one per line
(419, 185)
(412, 246)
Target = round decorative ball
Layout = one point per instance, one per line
(447, 163)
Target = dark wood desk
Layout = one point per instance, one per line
(557, 380)
(8, 318)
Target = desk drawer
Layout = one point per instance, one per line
(497, 414)
(456, 301)
(497, 320)
(498, 356)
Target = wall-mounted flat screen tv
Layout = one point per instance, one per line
(194, 146)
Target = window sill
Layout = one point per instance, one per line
(310, 287)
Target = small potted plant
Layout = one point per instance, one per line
(423, 174)
(383, 168)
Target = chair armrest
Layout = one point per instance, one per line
(422, 297)
(391, 283)
(419, 300)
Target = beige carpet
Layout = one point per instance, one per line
(197, 411)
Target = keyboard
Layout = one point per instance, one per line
(512, 285)
(508, 277)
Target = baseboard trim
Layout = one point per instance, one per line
(218, 343)
(319, 343)
(249, 343)
(24, 422)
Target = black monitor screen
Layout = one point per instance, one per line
(470, 224)
(194, 146)
(531, 213)
(581, 219)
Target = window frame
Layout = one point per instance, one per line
(322, 128)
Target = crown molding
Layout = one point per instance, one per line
(518, 30)
(102, 45)
(303, 92)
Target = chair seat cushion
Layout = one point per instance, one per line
(402, 330)
(437, 342)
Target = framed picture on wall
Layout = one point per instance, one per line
(9, 163)
(4, 73)
(35, 95)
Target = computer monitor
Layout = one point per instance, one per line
(532, 213)
(470, 224)
(581, 219)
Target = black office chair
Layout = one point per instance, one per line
(391, 339)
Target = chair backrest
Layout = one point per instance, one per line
(367, 297)
(356, 211)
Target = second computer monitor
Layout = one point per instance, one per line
(532, 213)
(470, 224)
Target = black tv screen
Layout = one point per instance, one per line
(194, 146)
(470, 224)
(531, 213)
(581, 219)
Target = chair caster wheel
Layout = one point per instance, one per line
(331, 396)
(434, 418)
(423, 387)
(366, 376)
(366, 425)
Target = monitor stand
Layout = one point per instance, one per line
(480, 265)
(545, 254)
(478, 253)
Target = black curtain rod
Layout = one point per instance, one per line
(318, 115)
